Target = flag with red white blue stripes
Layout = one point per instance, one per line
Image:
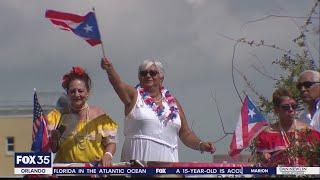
(84, 26)
(40, 138)
(251, 122)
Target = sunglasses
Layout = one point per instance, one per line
(306, 84)
(287, 107)
(151, 73)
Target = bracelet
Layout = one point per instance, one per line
(109, 153)
(200, 147)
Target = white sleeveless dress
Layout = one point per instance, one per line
(147, 138)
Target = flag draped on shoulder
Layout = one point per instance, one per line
(40, 138)
(250, 123)
(84, 26)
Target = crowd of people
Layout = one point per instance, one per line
(155, 121)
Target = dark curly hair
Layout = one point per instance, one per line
(76, 72)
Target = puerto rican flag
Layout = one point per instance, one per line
(251, 123)
(84, 26)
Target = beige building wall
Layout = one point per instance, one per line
(21, 129)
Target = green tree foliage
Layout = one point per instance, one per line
(291, 65)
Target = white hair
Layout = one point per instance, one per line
(146, 64)
(315, 75)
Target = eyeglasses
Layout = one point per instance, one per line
(151, 72)
(306, 84)
(287, 107)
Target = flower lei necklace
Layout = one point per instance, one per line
(173, 108)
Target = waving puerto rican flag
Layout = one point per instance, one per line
(251, 122)
(84, 26)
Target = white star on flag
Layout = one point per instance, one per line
(87, 28)
(251, 113)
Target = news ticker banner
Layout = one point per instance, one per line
(42, 163)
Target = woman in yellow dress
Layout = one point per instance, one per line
(82, 133)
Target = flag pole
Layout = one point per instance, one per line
(102, 46)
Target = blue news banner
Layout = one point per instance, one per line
(42, 163)
(163, 170)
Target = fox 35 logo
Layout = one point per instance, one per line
(32, 159)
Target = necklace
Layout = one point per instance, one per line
(81, 137)
(159, 110)
(284, 134)
(85, 106)
(287, 140)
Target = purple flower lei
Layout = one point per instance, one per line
(158, 109)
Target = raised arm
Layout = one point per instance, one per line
(189, 138)
(125, 92)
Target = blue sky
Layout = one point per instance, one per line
(185, 34)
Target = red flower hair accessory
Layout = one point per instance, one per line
(77, 70)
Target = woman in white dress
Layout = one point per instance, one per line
(154, 119)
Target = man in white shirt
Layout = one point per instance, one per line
(309, 88)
